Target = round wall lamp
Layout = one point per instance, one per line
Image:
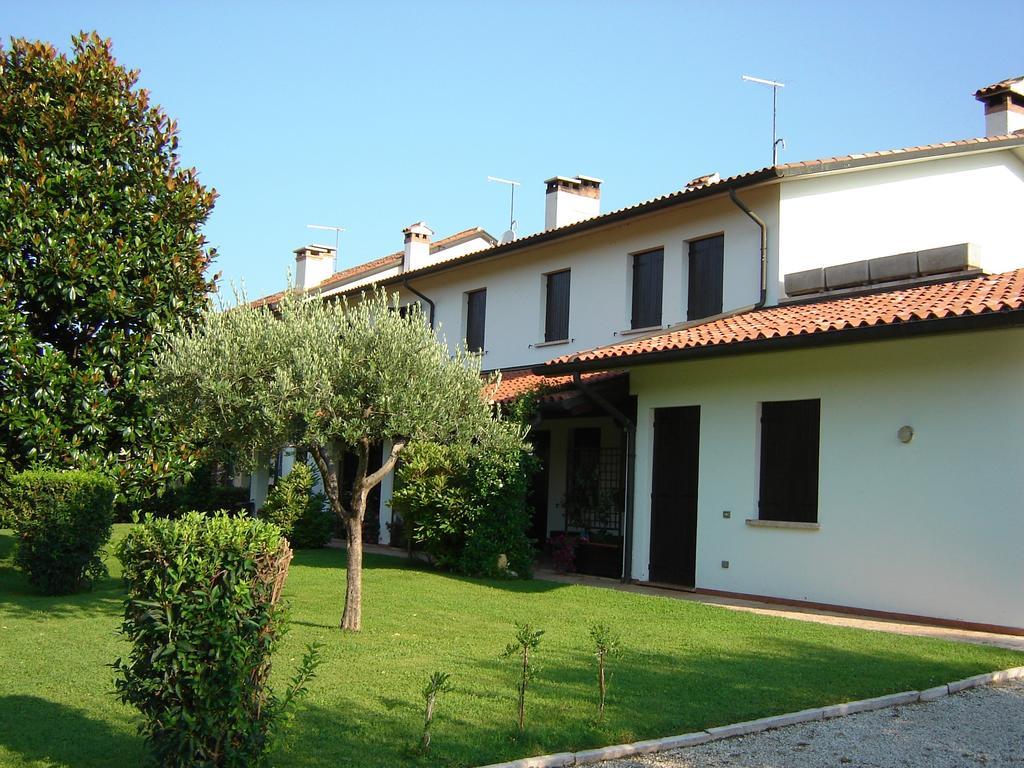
(905, 434)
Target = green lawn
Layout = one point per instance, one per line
(685, 666)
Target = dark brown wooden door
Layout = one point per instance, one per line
(674, 495)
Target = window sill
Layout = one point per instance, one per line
(554, 343)
(646, 329)
(757, 523)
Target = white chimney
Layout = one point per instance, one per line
(1004, 106)
(571, 199)
(313, 265)
(417, 246)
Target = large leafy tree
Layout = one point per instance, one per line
(100, 252)
(331, 379)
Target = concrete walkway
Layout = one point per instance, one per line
(1012, 642)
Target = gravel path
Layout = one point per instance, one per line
(981, 726)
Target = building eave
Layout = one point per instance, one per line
(903, 330)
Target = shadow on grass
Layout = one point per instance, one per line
(44, 731)
(650, 695)
(316, 625)
(336, 559)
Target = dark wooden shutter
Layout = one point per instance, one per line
(790, 433)
(707, 263)
(476, 311)
(556, 312)
(647, 288)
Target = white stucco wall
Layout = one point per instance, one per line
(387, 488)
(259, 481)
(867, 213)
(600, 298)
(934, 527)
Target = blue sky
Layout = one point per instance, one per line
(376, 115)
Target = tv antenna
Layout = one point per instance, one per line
(775, 85)
(337, 233)
(509, 235)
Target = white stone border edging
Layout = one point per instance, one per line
(600, 754)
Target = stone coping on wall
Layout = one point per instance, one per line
(590, 756)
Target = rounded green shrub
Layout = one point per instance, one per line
(61, 521)
(203, 616)
(466, 504)
(301, 515)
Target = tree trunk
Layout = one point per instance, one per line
(352, 618)
(330, 472)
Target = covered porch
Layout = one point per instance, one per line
(579, 496)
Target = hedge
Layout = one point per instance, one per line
(61, 521)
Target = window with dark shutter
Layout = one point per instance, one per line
(789, 461)
(707, 262)
(556, 308)
(647, 288)
(476, 310)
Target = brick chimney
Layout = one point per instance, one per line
(313, 264)
(417, 246)
(1004, 106)
(571, 199)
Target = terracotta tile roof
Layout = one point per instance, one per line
(466, 234)
(267, 300)
(521, 382)
(1002, 85)
(686, 194)
(897, 154)
(548, 234)
(767, 174)
(391, 260)
(957, 298)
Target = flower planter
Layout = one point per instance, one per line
(597, 559)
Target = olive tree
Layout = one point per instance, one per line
(329, 378)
